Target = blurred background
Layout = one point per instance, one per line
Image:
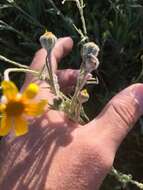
(115, 25)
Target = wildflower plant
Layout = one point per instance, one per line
(72, 106)
(14, 105)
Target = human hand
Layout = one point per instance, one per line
(60, 154)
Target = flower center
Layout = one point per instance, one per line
(14, 108)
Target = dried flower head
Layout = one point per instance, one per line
(14, 106)
(48, 40)
(90, 48)
(89, 55)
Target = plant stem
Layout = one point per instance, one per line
(50, 71)
(124, 178)
(2, 58)
(8, 71)
(80, 7)
(59, 13)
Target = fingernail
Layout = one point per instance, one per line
(138, 94)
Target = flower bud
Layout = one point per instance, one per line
(48, 41)
(83, 96)
(91, 63)
(89, 48)
(89, 55)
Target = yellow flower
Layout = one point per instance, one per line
(14, 106)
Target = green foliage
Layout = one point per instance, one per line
(115, 25)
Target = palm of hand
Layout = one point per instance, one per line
(58, 153)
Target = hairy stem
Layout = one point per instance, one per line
(8, 71)
(2, 58)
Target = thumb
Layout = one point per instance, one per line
(119, 115)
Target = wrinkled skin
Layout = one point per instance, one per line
(60, 154)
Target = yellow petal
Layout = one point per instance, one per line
(84, 93)
(20, 126)
(9, 89)
(31, 91)
(35, 109)
(2, 107)
(5, 125)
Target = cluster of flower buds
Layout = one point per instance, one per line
(89, 55)
(90, 62)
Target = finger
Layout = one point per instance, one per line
(67, 79)
(119, 115)
(61, 49)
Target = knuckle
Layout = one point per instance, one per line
(125, 110)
